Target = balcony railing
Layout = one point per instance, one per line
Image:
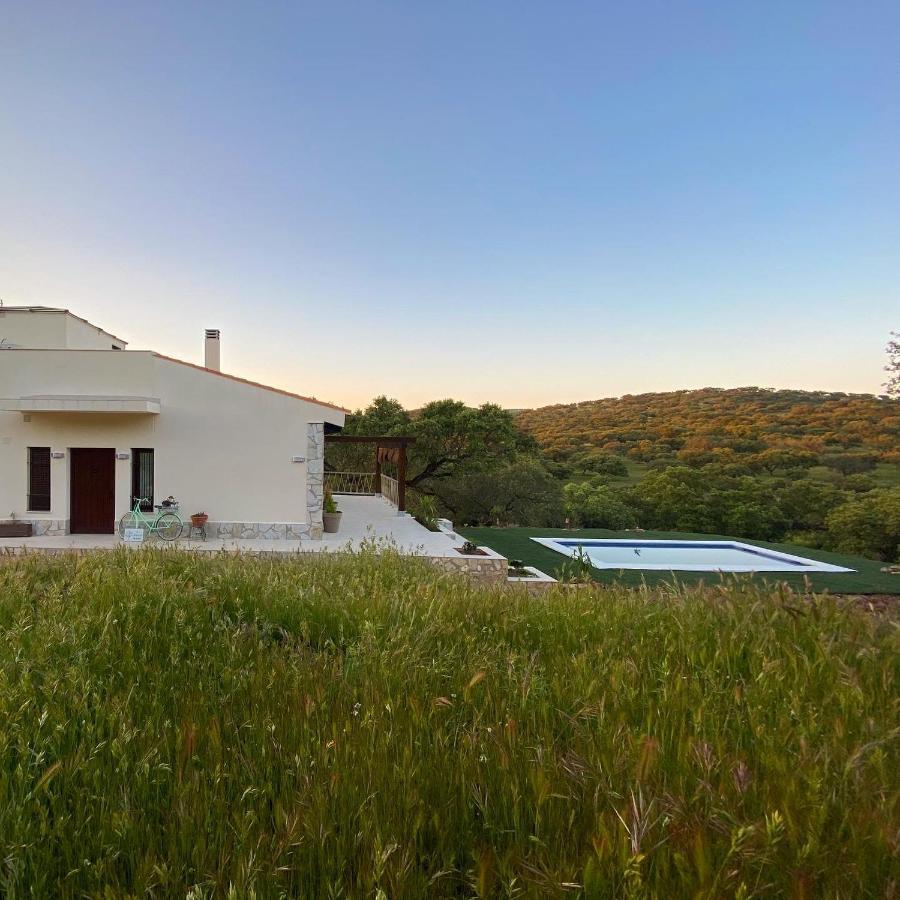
(350, 482)
(363, 484)
(390, 490)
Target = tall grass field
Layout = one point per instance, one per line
(363, 726)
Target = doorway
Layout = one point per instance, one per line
(92, 490)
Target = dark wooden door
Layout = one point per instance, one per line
(93, 491)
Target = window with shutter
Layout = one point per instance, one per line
(142, 477)
(39, 479)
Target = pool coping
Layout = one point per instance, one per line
(801, 564)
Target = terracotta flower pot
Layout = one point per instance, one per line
(199, 521)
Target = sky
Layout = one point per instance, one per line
(519, 202)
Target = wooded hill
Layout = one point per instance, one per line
(719, 423)
(820, 469)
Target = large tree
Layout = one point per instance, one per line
(868, 525)
(522, 492)
(598, 506)
(383, 416)
(892, 385)
(452, 441)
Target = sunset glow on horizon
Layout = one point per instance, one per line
(486, 202)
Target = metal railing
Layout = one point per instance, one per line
(350, 482)
(390, 490)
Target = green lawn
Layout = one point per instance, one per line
(516, 543)
(340, 726)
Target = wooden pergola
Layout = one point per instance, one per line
(388, 448)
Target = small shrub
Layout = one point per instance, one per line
(424, 510)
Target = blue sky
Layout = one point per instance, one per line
(520, 202)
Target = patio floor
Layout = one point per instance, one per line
(368, 518)
(365, 518)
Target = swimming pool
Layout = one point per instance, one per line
(685, 556)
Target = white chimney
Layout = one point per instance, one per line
(211, 349)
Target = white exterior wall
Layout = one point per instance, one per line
(27, 329)
(220, 446)
(54, 329)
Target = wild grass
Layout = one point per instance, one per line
(366, 727)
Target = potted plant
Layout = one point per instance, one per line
(517, 569)
(14, 528)
(331, 515)
(198, 520)
(470, 549)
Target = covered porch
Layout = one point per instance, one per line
(386, 478)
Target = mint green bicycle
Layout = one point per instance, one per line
(166, 523)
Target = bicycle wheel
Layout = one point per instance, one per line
(169, 527)
(129, 520)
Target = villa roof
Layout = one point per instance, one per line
(265, 387)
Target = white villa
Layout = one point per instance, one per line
(87, 426)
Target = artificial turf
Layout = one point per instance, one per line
(516, 543)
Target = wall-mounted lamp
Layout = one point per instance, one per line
(123, 456)
(57, 454)
(298, 459)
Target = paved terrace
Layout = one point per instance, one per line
(365, 518)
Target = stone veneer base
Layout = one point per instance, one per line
(315, 475)
(263, 531)
(272, 531)
(491, 568)
(539, 583)
(47, 526)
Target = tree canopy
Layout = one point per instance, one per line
(469, 458)
(700, 426)
(892, 385)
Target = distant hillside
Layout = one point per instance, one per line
(741, 420)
